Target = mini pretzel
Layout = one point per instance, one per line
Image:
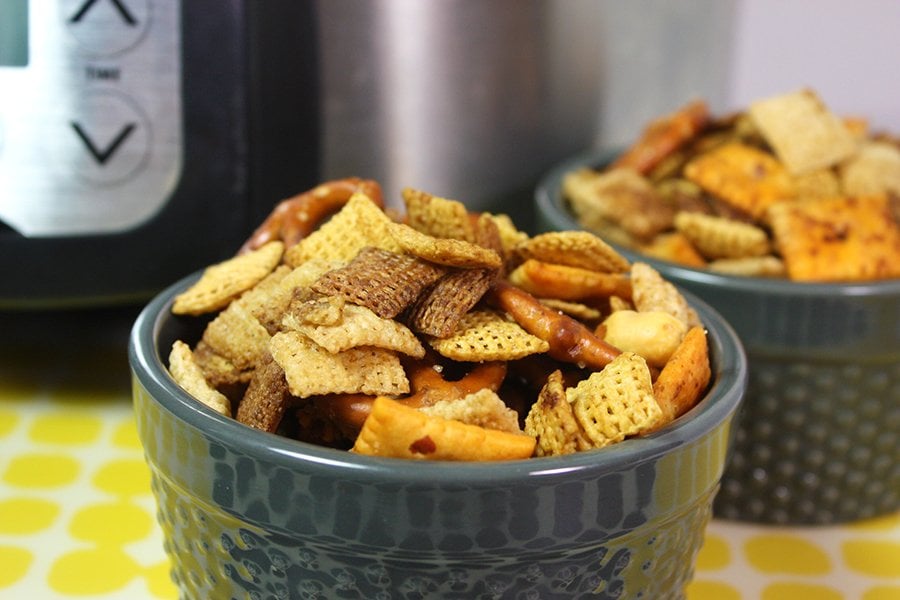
(295, 218)
(428, 387)
(569, 340)
(399, 431)
(664, 136)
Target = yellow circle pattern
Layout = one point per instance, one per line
(77, 520)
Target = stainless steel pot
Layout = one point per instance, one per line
(475, 100)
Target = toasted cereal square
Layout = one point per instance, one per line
(620, 196)
(616, 402)
(574, 249)
(266, 398)
(311, 370)
(803, 132)
(396, 430)
(268, 300)
(719, 237)
(874, 170)
(223, 282)
(838, 239)
(383, 281)
(486, 335)
(438, 310)
(743, 176)
(237, 335)
(218, 370)
(436, 216)
(510, 236)
(444, 251)
(358, 224)
(188, 375)
(552, 422)
(651, 292)
(483, 408)
(356, 326)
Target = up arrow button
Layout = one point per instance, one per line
(126, 15)
(105, 28)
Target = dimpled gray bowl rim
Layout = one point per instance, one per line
(818, 433)
(721, 402)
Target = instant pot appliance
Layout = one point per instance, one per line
(143, 139)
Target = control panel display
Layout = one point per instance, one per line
(90, 114)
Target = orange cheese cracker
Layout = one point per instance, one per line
(395, 430)
(837, 239)
(742, 176)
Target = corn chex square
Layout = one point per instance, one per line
(483, 408)
(355, 326)
(311, 370)
(552, 422)
(574, 249)
(718, 237)
(223, 282)
(358, 224)
(187, 374)
(436, 216)
(237, 335)
(486, 335)
(651, 292)
(444, 251)
(616, 402)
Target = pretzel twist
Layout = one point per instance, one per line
(349, 411)
(664, 136)
(569, 340)
(298, 216)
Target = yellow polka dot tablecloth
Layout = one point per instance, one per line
(77, 517)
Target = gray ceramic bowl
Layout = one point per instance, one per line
(818, 440)
(246, 514)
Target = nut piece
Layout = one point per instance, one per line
(654, 335)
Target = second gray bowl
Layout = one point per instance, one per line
(818, 440)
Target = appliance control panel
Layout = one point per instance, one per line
(91, 115)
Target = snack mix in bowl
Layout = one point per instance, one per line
(784, 217)
(434, 404)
